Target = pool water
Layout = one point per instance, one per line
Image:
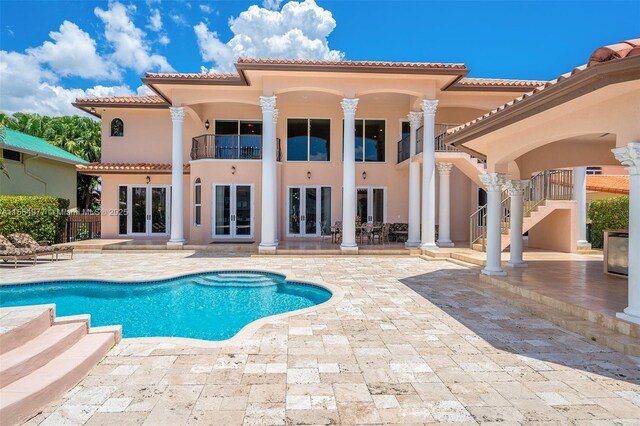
(211, 306)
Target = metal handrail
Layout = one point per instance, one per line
(404, 148)
(229, 147)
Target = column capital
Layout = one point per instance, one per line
(444, 168)
(268, 103)
(516, 187)
(177, 113)
(429, 106)
(629, 156)
(414, 118)
(275, 116)
(349, 105)
(494, 181)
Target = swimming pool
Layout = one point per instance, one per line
(209, 306)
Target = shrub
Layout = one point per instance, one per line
(42, 217)
(607, 213)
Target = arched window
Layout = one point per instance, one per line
(197, 202)
(117, 127)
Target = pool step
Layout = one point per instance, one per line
(234, 279)
(50, 357)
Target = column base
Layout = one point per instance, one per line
(629, 314)
(447, 243)
(267, 248)
(516, 264)
(349, 249)
(176, 245)
(428, 246)
(411, 244)
(494, 273)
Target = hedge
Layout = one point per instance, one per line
(42, 217)
(607, 213)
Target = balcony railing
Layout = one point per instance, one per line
(229, 147)
(440, 145)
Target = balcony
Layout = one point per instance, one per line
(229, 147)
(440, 145)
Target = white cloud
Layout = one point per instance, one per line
(73, 53)
(155, 20)
(131, 48)
(164, 40)
(298, 31)
(179, 20)
(206, 8)
(271, 4)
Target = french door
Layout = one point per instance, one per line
(232, 211)
(371, 204)
(309, 210)
(148, 207)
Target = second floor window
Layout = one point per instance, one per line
(308, 139)
(370, 140)
(117, 127)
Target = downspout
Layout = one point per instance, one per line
(31, 175)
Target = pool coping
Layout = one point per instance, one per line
(337, 295)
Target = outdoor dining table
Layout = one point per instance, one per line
(369, 232)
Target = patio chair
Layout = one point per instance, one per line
(381, 233)
(43, 248)
(10, 252)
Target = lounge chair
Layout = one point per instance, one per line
(10, 252)
(27, 241)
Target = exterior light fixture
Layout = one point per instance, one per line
(364, 175)
(93, 110)
(308, 175)
(207, 124)
(233, 170)
(148, 179)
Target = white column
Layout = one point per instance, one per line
(444, 212)
(349, 178)
(516, 190)
(177, 179)
(428, 230)
(268, 238)
(275, 177)
(629, 156)
(493, 182)
(413, 238)
(580, 195)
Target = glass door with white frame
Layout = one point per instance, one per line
(147, 210)
(309, 210)
(232, 211)
(371, 204)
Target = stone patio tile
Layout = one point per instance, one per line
(348, 392)
(215, 418)
(358, 413)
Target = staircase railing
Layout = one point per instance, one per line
(543, 186)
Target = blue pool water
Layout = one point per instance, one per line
(211, 306)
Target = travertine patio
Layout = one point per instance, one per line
(409, 343)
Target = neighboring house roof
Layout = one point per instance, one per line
(18, 141)
(590, 74)
(615, 184)
(124, 168)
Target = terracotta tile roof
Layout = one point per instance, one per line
(99, 168)
(122, 100)
(611, 52)
(500, 82)
(616, 184)
(192, 76)
(355, 64)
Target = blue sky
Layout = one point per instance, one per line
(53, 51)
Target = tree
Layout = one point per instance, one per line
(78, 135)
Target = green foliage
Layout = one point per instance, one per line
(83, 233)
(42, 217)
(607, 213)
(78, 135)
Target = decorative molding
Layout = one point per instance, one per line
(494, 181)
(414, 118)
(268, 103)
(629, 156)
(349, 105)
(517, 187)
(429, 106)
(177, 113)
(275, 116)
(444, 168)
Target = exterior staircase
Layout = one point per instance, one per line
(548, 191)
(42, 357)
